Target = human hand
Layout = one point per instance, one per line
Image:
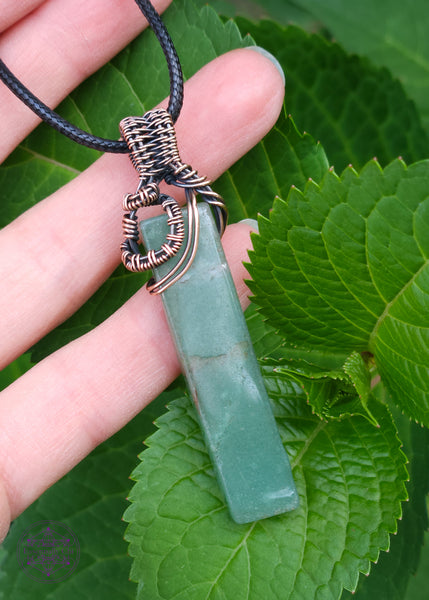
(55, 414)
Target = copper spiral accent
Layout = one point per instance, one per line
(135, 261)
(189, 252)
(155, 156)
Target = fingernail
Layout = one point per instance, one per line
(270, 57)
(253, 223)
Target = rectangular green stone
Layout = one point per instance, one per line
(218, 360)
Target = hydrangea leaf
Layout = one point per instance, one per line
(264, 338)
(333, 393)
(356, 110)
(350, 476)
(418, 585)
(344, 266)
(393, 577)
(283, 158)
(357, 369)
(281, 11)
(387, 34)
(270, 345)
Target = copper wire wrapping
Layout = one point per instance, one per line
(135, 261)
(145, 196)
(155, 156)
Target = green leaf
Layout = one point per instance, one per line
(356, 110)
(226, 8)
(418, 586)
(285, 157)
(285, 12)
(14, 370)
(344, 267)
(282, 11)
(264, 338)
(387, 34)
(268, 344)
(45, 161)
(350, 476)
(90, 500)
(391, 577)
(359, 373)
(334, 393)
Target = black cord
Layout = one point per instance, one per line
(82, 137)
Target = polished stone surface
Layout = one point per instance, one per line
(224, 378)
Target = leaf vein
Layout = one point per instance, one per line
(51, 161)
(130, 86)
(321, 425)
(389, 305)
(239, 197)
(243, 543)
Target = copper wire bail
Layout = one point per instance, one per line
(155, 156)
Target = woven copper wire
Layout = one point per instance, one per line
(152, 142)
(155, 156)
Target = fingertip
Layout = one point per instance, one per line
(264, 82)
(272, 59)
(252, 223)
(237, 243)
(240, 95)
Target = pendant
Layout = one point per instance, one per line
(214, 347)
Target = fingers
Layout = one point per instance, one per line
(229, 106)
(13, 11)
(55, 47)
(90, 388)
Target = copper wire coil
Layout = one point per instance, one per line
(130, 227)
(139, 262)
(147, 195)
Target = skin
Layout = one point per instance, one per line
(66, 405)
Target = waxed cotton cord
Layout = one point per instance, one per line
(83, 137)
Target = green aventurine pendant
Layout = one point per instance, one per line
(218, 360)
(206, 321)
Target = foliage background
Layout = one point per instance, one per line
(372, 103)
